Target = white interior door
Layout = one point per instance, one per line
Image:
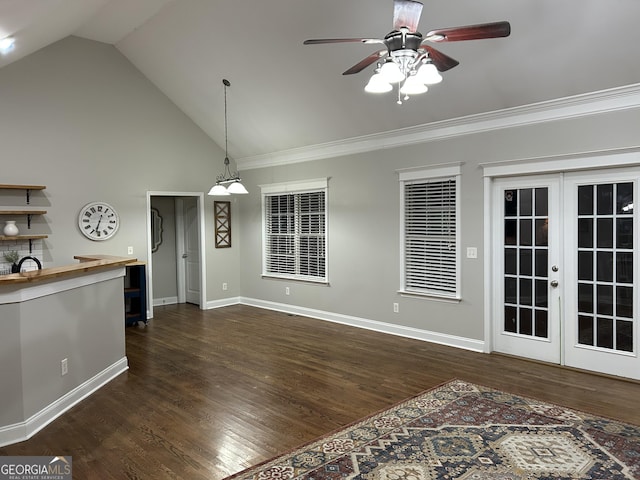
(565, 256)
(189, 267)
(526, 255)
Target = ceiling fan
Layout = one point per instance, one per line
(407, 59)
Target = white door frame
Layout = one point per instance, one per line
(201, 227)
(180, 265)
(608, 159)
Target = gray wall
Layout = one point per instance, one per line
(77, 117)
(363, 215)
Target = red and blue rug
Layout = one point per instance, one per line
(467, 432)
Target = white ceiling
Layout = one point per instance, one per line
(286, 95)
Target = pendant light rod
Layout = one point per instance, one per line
(226, 84)
(232, 181)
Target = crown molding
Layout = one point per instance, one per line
(610, 100)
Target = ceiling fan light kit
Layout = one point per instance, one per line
(410, 63)
(227, 182)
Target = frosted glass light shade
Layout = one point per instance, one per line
(218, 190)
(6, 44)
(428, 74)
(391, 72)
(413, 86)
(236, 187)
(377, 84)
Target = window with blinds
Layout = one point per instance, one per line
(430, 237)
(295, 235)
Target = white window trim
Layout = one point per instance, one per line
(433, 172)
(311, 185)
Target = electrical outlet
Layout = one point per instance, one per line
(396, 308)
(64, 367)
(286, 290)
(472, 252)
(129, 250)
(224, 286)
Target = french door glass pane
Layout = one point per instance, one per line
(510, 261)
(526, 261)
(605, 266)
(542, 203)
(542, 262)
(585, 200)
(624, 336)
(585, 232)
(526, 295)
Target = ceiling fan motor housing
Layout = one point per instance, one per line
(399, 40)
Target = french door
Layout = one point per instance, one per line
(565, 255)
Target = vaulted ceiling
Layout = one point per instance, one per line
(285, 95)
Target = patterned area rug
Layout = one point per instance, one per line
(465, 431)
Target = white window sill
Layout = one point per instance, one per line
(430, 296)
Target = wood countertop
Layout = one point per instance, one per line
(87, 264)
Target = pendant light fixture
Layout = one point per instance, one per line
(227, 183)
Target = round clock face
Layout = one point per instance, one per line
(98, 221)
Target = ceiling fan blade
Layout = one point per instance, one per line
(358, 67)
(406, 13)
(470, 32)
(318, 41)
(440, 60)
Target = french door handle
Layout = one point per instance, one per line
(184, 255)
(554, 283)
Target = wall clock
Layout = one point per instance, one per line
(98, 221)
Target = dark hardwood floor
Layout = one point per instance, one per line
(209, 393)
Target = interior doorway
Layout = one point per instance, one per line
(176, 260)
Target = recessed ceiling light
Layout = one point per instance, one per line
(6, 44)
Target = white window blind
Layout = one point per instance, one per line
(295, 235)
(430, 243)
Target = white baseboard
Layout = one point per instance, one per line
(24, 430)
(383, 327)
(158, 302)
(224, 302)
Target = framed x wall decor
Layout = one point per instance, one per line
(222, 216)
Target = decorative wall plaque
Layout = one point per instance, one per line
(222, 216)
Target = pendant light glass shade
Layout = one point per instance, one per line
(236, 187)
(218, 190)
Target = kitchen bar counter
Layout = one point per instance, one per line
(87, 263)
(62, 336)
